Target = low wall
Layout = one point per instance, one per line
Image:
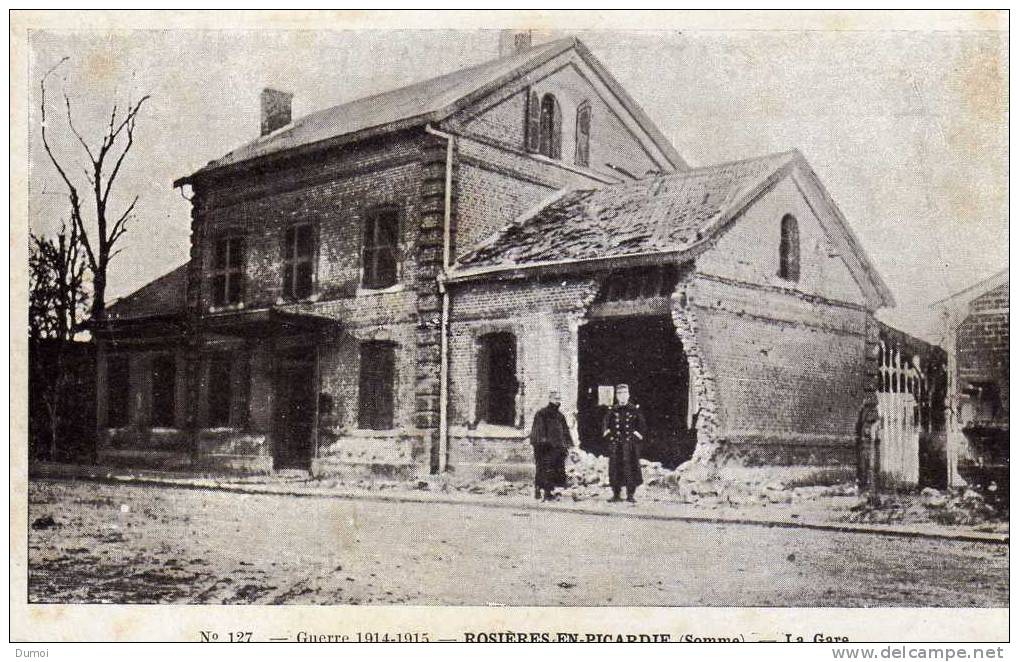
(386, 455)
(491, 451)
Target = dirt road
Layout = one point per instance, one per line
(138, 544)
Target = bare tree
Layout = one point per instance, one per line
(105, 161)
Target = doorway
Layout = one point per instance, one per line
(295, 409)
(645, 353)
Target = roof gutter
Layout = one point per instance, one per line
(447, 217)
(263, 160)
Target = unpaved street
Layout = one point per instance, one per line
(118, 543)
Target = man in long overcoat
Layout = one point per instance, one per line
(624, 427)
(550, 436)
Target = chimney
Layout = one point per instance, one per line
(512, 42)
(275, 109)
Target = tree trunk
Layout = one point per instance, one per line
(98, 294)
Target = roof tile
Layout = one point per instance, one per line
(162, 296)
(663, 213)
(404, 103)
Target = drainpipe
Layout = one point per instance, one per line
(441, 280)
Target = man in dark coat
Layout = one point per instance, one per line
(624, 427)
(551, 439)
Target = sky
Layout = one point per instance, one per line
(907, 130)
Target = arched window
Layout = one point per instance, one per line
(550, 143)
(789, 249)
(544, 126)
(583, 150)
(497, 378)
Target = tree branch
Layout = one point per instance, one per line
(129, 123)
(120, 225)
(70, 123)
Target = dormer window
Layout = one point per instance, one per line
(789, 249)
(583, 149)
(544, 126)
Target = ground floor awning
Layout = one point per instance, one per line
(266, 322)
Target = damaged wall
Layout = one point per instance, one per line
(543, 316)
(787, 359)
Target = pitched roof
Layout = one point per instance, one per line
(162, 296)
(966, 295)
(427, 101)
(665, 213)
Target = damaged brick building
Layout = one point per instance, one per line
(975, 333)
(394, 284)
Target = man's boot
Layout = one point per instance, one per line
(630, 494)
(615, 494)
(537, 493)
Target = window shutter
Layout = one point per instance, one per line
(366, 398)
(375, 406)
(238, 259)
(583, 148)
(219, 258)
(305, 242)
(481, 403)
(533, 125)
(386, 373)
(240, 389)
(789, 249)
(556, 139)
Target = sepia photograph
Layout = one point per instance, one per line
(528, 313)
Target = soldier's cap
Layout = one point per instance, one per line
(622, 387)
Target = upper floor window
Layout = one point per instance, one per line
(789, 249)
(228, 270)
(379, 252)
(583, 149)
(298, 261)
(544, 126)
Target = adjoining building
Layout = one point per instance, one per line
(974, 332)
(394, 284)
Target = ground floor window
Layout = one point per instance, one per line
(164, 382)
(497, 378)
(219, 391)
(375, 397)
(118, 387)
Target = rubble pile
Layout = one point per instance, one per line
(959, 507)
(739, 486)
(495, 486)
(587, 476)
(585, 469)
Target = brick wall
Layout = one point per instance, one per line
(500, 118)
(334, 194)
(789, 373)
(499, 180)
(982, 343)
(543, 316)
(495, 186)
